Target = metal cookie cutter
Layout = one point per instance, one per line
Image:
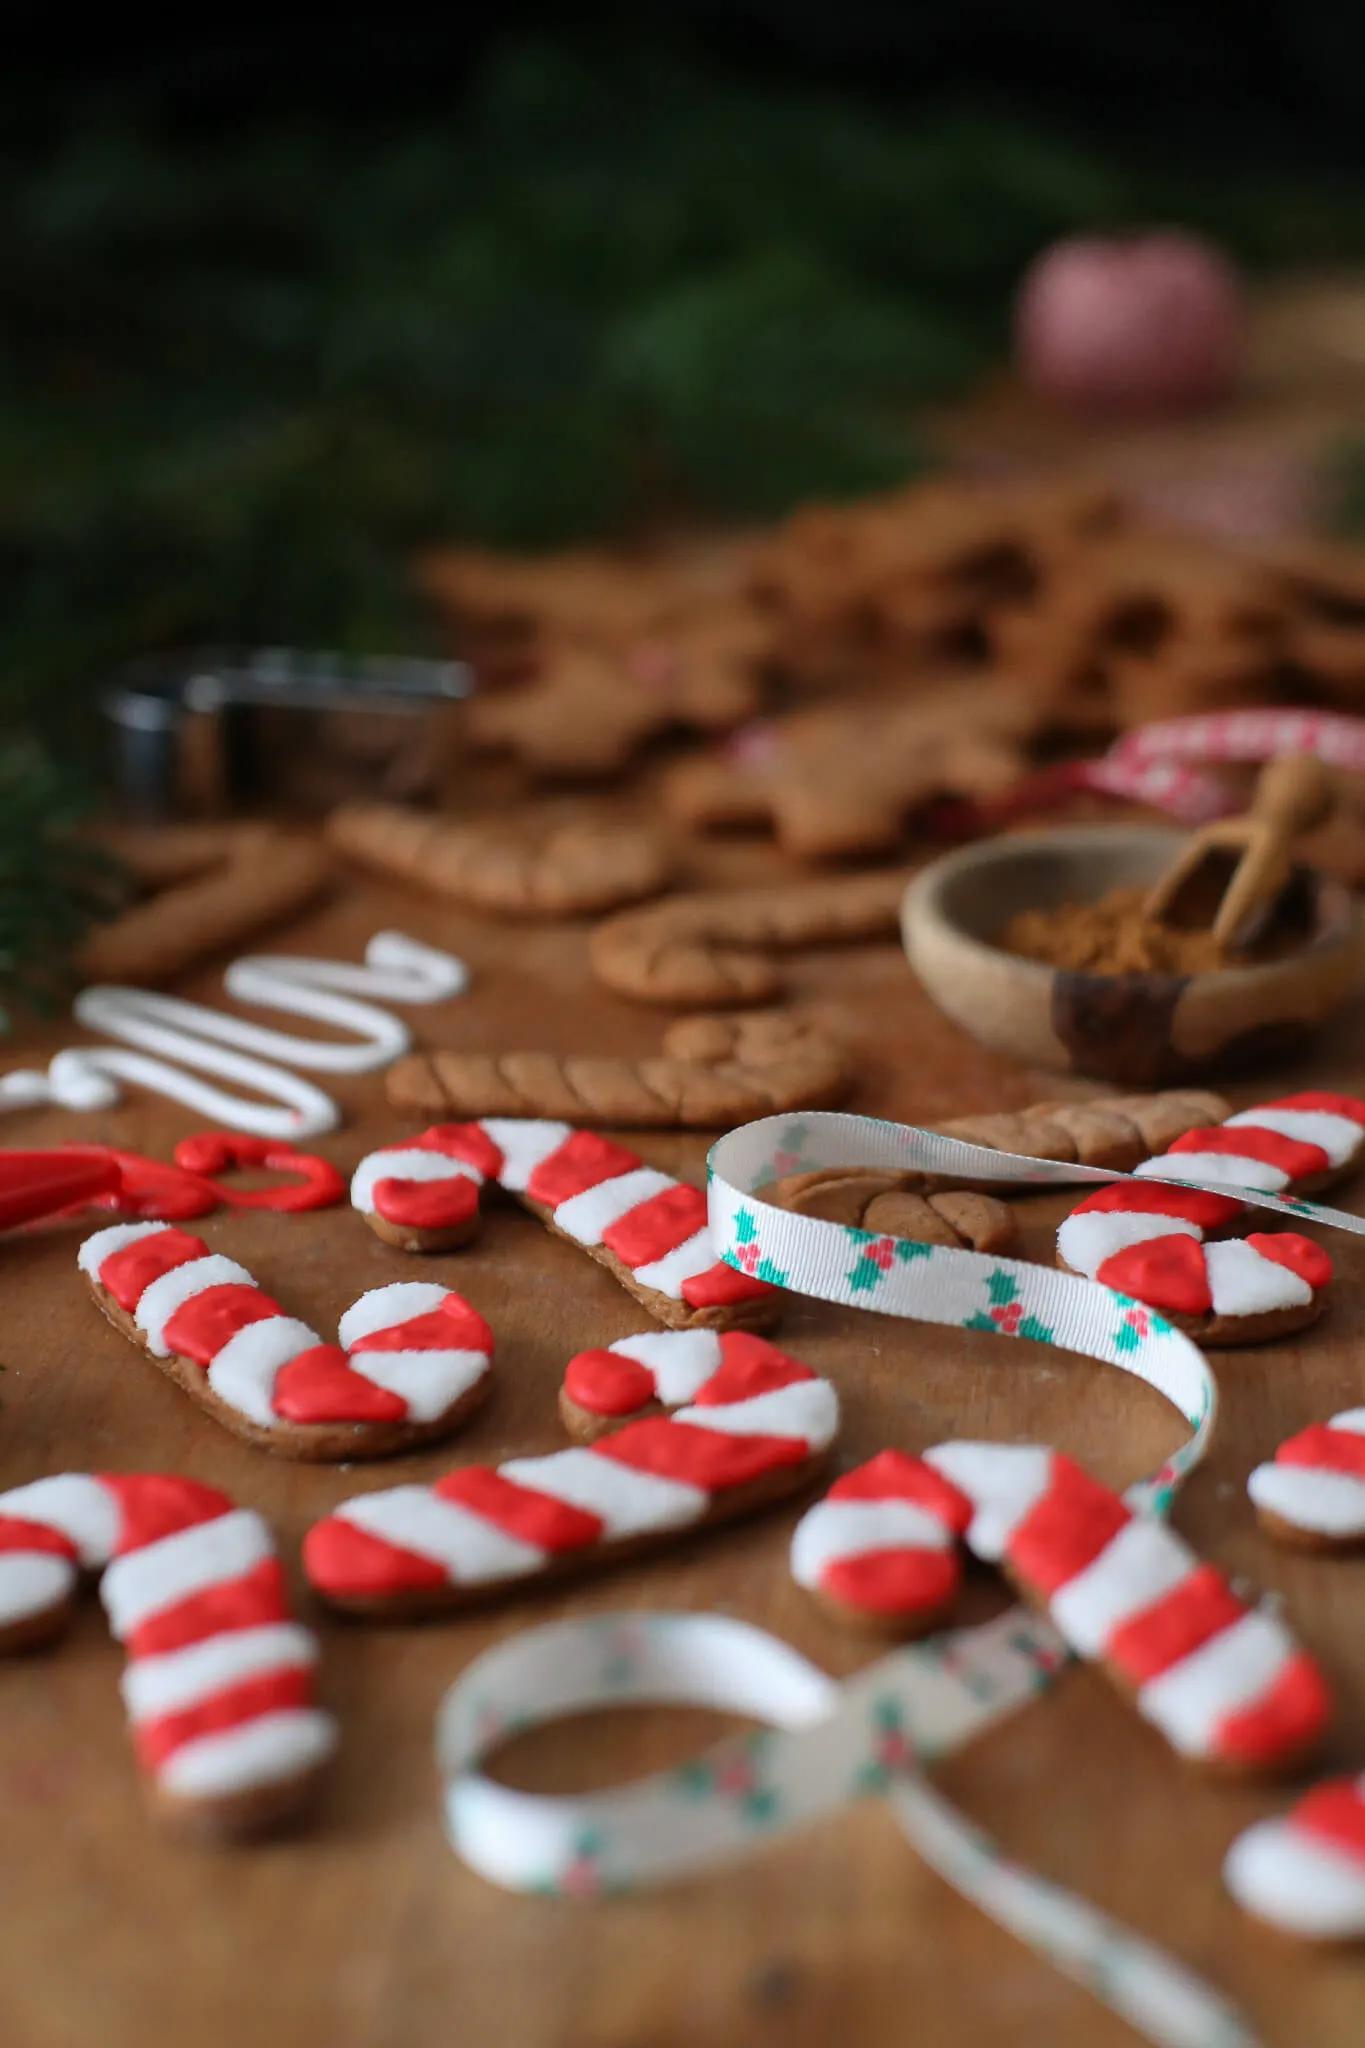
(205, 732)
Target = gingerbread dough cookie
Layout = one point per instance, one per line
(1312, 1495)
(218, 884)
(413, 1361)
(756, 1429)
(551, 864)
(1304, 1872)
(717, 948)
(882, 1204)
(648, 1230)
(219, 1684)
(713, 1071)
(882, 1552)
(845, 780)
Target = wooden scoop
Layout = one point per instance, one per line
(1292, 796)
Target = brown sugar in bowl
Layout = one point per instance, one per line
(1136, 1028)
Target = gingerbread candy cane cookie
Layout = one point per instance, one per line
(755, 1430)
(413, 1361)
(1224, 1683)
(881, 1551)
(1305, 1872)
(219, 1684)
(1149, 1242)
(646, 1228)
(1313, 1493)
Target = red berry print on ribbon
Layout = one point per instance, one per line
(1006, 1315)
(746, 1256)
(877, 1255)
(891, 1748)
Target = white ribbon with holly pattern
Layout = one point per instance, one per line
(829, 1743)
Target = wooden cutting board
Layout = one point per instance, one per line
(365, 1932)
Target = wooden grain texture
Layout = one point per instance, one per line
(366, 1932)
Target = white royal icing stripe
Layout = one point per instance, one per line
(1299, 1880)
(838, 1529)
(1091, 1236)
(154, 1686)
(1338, 1136)
(260, 1752)
(807, 1410)
(524, 1142)
(584, 1217)
(1242, 1283)
(159, 1302)
(1331, 1503)
(1352, 1419)
(31, 1581)
(105, 1243)
(466, 1547)
(626, 1502)
(680, 1361)
(408, 1163)
(87, 1514)
(1002, 1481)
(1190, 1701)
(666, 1275)
(1138, 1567)
(429, 1381)
(1227, 1168)
(162, 1574)
(384, 1308)
(243, 1372)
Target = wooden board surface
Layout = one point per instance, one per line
(366, 1932)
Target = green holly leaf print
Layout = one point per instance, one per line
(1126, 1338)
(1000, 1289)
(746, 1229)
(886, 1714)
(693, 1780)
(1036, 1332)
(864, 1276)
(775, 1276)
(871, 1777)
(980, 1322)
(760, 1807)
(856, 1236)
(908, 1248)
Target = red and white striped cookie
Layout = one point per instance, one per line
(1305, 1873)
(881, 1550)
(1301, 1142)
(755, 1430)
(219, 1685)
(646, 1228)
(1313, 1493)
(659, 1369)
(413, 1361)
(1224, 1683)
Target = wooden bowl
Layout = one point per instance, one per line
(1135, 1028)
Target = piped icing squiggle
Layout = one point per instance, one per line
(166, 1029)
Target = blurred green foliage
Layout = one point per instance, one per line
(243, 378)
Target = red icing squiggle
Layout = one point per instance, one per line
(319, 1185)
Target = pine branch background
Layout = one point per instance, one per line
(245, 376)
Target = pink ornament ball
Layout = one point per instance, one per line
(1151, 323)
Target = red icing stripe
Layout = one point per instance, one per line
(1290, 1714)
(894, 1475)
(1200, 1607)
(17, 1534)
(469, 1142)
(1336, 1812)
(711, 1459)
(157, 1504)
(1321, 1446)
(896, 1581)
(1349, 1106)
(748, 1366)
(1299, 1254)
(1192, 1205)
(127, 1274)
(268, 1693)
(583, 1161)
(606, 1383)
(1167, 1273)
(520, 1511)
(318, 1386)
(201, 1326)
(1066, 1530)
(657, 1225)
(426, 1204)
(341, 1557)
(250, 1601)
(1249, 1141)
(720, 1286)
(454, 1326)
